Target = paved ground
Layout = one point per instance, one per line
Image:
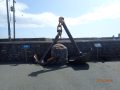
(90, 76)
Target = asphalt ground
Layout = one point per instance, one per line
(86, 76)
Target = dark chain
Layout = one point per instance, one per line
(59, 29)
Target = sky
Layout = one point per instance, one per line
(84, 18)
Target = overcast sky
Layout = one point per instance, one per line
(84, 18)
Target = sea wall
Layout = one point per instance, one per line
(23, 51)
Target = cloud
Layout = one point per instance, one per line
(39, 20)
(110, 11)
(21, 7)
(49, 19)
(27, 20)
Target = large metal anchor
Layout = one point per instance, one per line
(44, 61)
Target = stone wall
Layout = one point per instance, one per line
(24, 51)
